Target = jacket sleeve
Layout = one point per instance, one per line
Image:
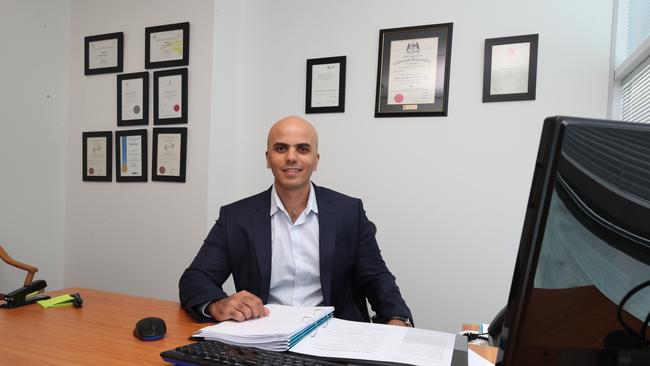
(201, 283)
(374, 277)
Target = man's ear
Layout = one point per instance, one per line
(317, 160)
(266, 154)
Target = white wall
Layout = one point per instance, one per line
(447, 193)
(33, 129)
(135, 237)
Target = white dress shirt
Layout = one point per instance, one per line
(295, 259)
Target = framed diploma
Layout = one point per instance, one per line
(325, 85)
(510, 68)
(97, 154)
(413, 71)
(133, 99)
(131, 156)
(103, 54)
(170, 97)
(167, 45)
(169, 154)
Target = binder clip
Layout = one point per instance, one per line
(25, 295)
(63, 301)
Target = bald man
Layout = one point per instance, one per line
(293, 244)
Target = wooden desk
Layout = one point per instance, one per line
(99, 333)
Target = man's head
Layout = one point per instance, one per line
(292, 153)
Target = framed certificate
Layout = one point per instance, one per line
(104, 53)
(510, 68)
(170, 97)
(133, 99)
(413, 71)
(169, 154)
(131, 156)
(325, 85)
(97, 153)
(167, 45)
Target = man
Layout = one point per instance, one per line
(294, 244)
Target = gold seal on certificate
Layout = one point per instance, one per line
(131, 155)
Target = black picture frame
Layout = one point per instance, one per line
(510, 86)
(156, 173)
(153, 32)
(144, 103)
(121, 162)
(89, 51)
(339, 107)
(163, 120)
(88, 174)
(423, 56)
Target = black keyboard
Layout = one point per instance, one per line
(212, 353)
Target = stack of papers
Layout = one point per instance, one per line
(283, 328)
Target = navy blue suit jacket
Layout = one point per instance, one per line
(351, 266)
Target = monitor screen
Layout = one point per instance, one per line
(585, 245)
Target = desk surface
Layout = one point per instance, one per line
(99, 333)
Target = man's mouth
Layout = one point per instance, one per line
(292, 171)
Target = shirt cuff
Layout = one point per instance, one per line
(204, 307)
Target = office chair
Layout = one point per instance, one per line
(31, 270)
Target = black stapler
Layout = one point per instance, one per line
(21, 296)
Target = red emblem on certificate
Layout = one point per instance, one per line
(398, 98)
(177, 108)
(161, 170)
(91, 171)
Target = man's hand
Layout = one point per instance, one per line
(397, 322)
(240, 306)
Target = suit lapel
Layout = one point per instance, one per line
(327, 239)
(261, 223)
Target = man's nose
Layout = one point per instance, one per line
(291, 154)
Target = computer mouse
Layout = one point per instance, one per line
(149, 329)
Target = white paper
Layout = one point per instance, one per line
(132, 99)
(509, 74)
(131, 156)
(412, 72)
(102, 54)
(166, 46)
(379, 342)
(325, 85)
(96, 156)
(169, 154)
(170, 94)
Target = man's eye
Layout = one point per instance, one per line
(280, 148)
(303, 149)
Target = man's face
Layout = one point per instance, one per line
(292, 153)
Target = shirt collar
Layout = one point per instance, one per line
(276, 202)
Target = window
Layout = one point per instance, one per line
(630, 91)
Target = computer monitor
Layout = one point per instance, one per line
(585, 244)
